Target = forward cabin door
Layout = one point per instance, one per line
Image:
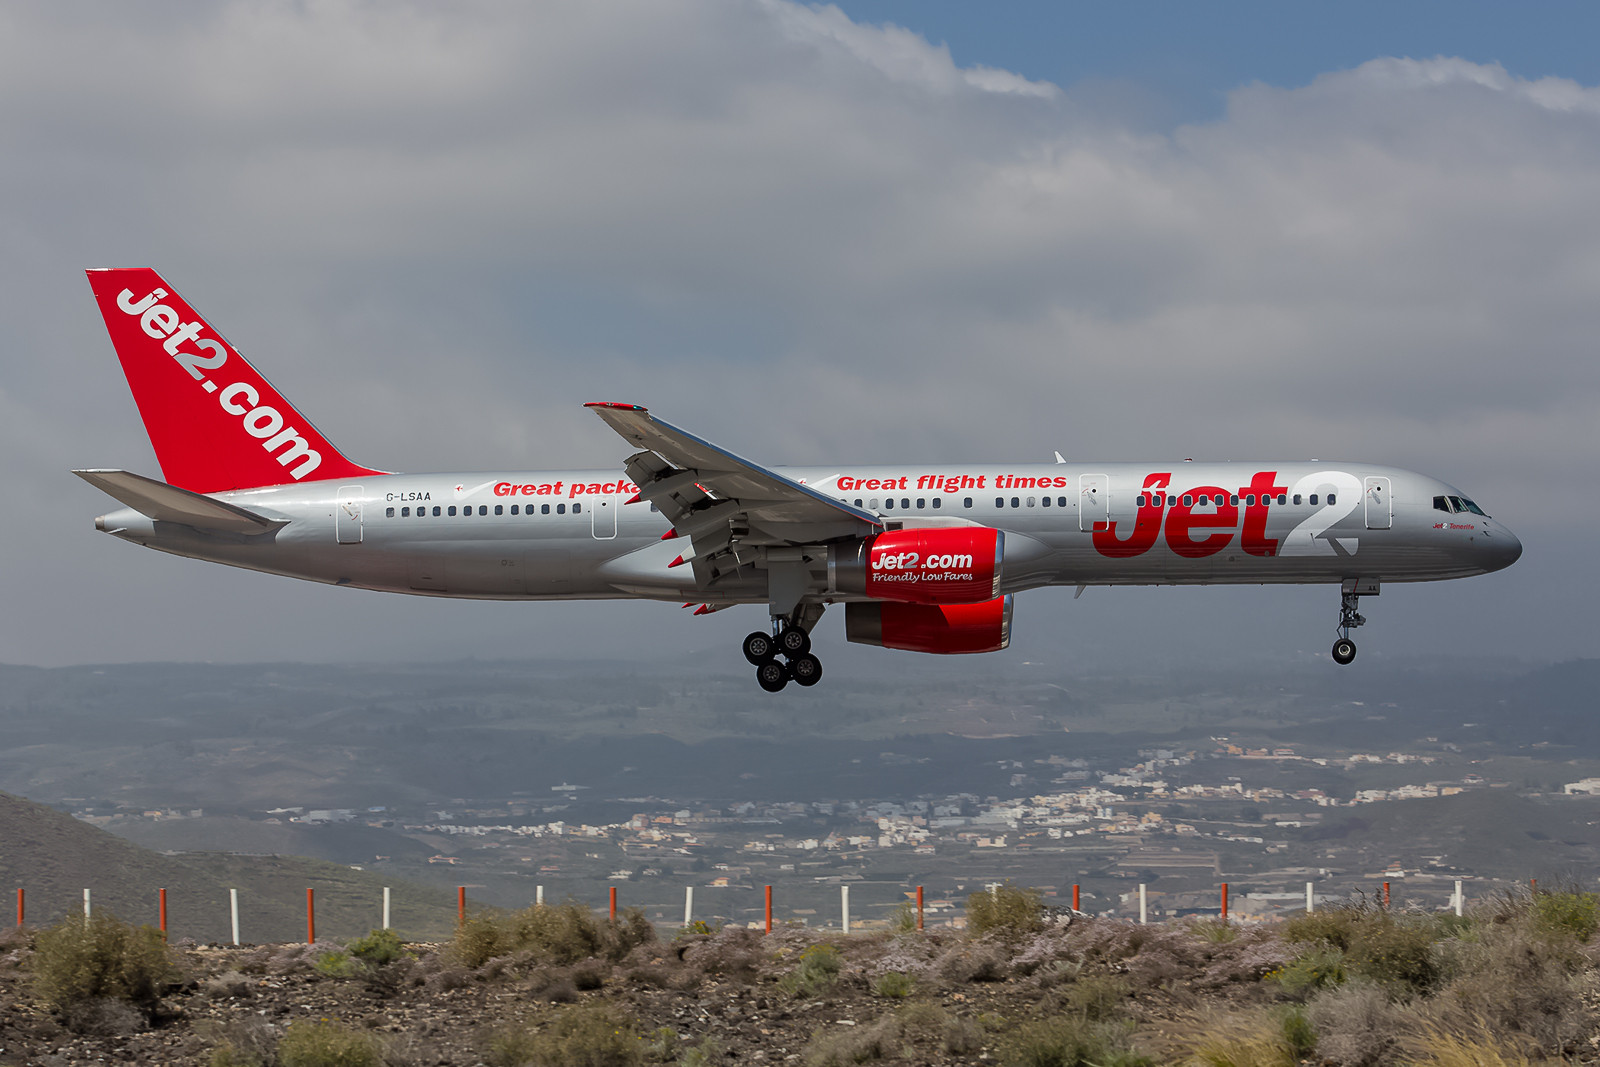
(347, 515)
(603, 513)
(1094, 501)
(1380, 509)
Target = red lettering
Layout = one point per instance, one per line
(1254, 539)
(504, 489)
(1146, 525)
(1181, 520)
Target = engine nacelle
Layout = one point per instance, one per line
(931, 565)
(943, 629)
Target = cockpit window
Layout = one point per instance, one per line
(1475, 509)
(1441, 503)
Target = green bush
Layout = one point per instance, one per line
(1396, 951)
(77, 960)
(1298, 1033)
(1320, 968)
(706, 1054)
(592, 1035)
(1005, 910)
(894, 985)
(817, 970)
(1564, 915)
(326, 1044)
(378, 948)
(336, 964)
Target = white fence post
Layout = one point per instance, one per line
(538, 895)
(233, 908)
(1458, 898)
(1311, 902)
(386, 908)
(844, 906)
(688, 905)
(1143, 914)
(85, 905)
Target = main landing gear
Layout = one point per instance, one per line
(1350, 593)
(793, 643)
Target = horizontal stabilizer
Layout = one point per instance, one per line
(168, 503)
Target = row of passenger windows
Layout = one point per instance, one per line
(1155, 499)
(483, 509)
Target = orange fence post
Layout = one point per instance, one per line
(1533, 886)
(919, 907)
(1224, 901)
(613, 903)
(769, 909)
(1074, 896)
(163, 895)
(1386, 896)
(19, 905)
(311, 916)
(461, 904)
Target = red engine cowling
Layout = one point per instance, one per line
(943, 629)
(936, 565)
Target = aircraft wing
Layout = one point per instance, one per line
(722, 501)
(168, 503)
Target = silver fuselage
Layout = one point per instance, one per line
(576, 535)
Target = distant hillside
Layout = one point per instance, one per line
(54, 857)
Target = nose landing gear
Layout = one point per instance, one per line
(789, 639)
(1351, 590)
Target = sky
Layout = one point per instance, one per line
(882, 232)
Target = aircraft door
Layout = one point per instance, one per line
(1094, 501)
(603, 515)
(347, 515)
(1380, 509)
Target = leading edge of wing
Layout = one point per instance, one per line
(638, 427)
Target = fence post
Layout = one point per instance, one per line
(233, 908)
(613, 903)
(769, 909)
(1142, 912)
(86, 908)
(844, 906)
(1386, 896)
(1224, 901)
(1311, 903)
(461, 904)
(919, 907)
(1533, 886)
(19, 905)
(386, 925)
(688, 906)
(1458, 898)
(1075, 897)
(311, 916)
(538, 895)
(163, 895)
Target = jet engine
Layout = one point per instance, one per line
(943, 629)
(929, 565)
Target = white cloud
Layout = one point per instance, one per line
(441, 228)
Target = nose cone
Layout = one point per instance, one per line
(1499, 546)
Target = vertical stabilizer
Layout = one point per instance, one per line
(215, 422)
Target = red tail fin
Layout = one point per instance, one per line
(215, 422)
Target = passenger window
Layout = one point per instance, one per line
(1297, 498)
(1331, 499)
(452, 509)
(858, 502)
(544, 509)
(499, 509)
(388, 513)
(1138, 501)
(514, 510)
(561, 509)
(436, 511)
(1313, 500)
(1061, 501)
(1281, 499)
(1205, 499)
(1045, 501)
(937, 502)
(1250, 500)
(1188, 500)
(888, 503)
(483, 509)
(1015, 503)
(1234, 500)
(999, 501)
(405, 513)
(905, 502)
(921, 503)
(1030, 501)
(966, 501)
(577, 508)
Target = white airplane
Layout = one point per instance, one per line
(925, 558)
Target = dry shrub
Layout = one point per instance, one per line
(326, 1044)
(1394, 950)
(734, 953)
(1475, 1045)
(1256, 1037)
(590, 975)
(877, 1040)
(961, 1037)
(246, 1042)
(814, 973)
(1357, 1025)
(1515, 981)
(555, 933)
(590, 1035)
(1068, 1042)
(974, 961)
(227, 984)
(1006, 911)
(78, 961)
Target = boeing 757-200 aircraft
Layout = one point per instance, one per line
(925, 558)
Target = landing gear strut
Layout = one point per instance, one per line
(790, 638)
(1350, 593)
